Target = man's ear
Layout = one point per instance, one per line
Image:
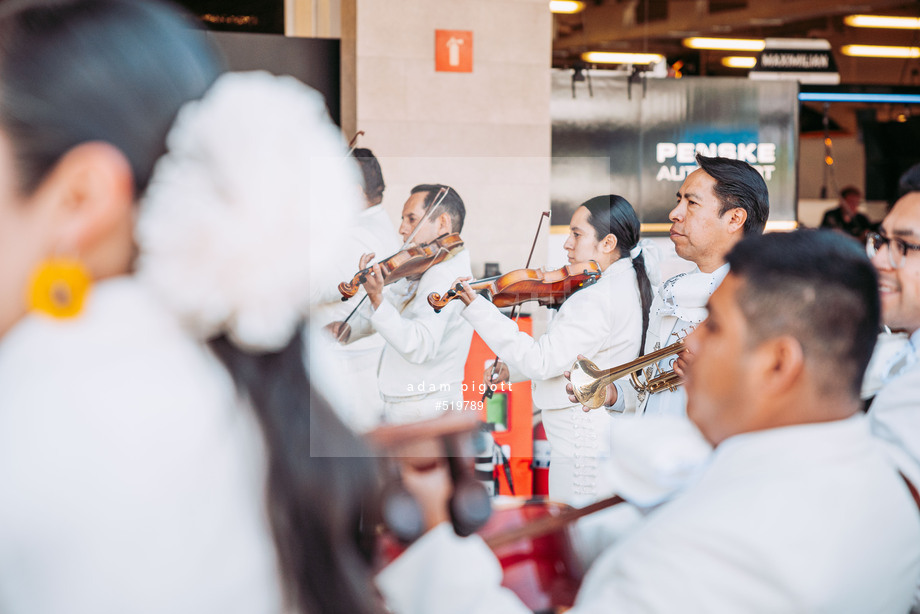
(445, 224)
(780, 364)
(92, 191)
(736, 219)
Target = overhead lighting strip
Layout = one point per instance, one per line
(880, 51)
(882, 21)
(725, 44)
(614, 57)
(566, 7)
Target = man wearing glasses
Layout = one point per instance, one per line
(895, 252)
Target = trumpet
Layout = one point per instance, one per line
(590, 382)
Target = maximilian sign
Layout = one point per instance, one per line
(804, 60)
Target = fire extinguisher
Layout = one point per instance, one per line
(540, 464)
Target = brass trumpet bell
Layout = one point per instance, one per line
(590, 382)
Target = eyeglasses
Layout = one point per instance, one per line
(897, 248)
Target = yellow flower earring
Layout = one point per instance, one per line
(59, 288)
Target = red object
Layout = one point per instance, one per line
(541, 455)
(453, 50)
(519, 436)
(550, 288)
(542, 571)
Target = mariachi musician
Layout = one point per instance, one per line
(604, 320)
(718, 204)
(421, 368)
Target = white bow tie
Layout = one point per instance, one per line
(685, 295)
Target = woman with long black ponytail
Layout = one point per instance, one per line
(605, 322)
(162, 447)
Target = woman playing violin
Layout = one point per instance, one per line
(421, 369)
(605, 320)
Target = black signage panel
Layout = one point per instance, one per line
(640, 142)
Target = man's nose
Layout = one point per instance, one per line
(676, 213)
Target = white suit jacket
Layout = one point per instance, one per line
(666, 325)
(810, 518)
(424, 349)
(895, 412)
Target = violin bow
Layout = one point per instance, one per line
(515, 312)
(438, 199)
(353, 143)
(487, 393)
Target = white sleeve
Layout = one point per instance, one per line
(447, 574)
(574, 331)
(416, 339)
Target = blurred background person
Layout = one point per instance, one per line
(361, 405)
(846, 217)
(155, 412)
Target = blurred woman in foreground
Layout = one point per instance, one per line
(156, 220)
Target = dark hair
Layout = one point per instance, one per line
(321, 481)
(850, 189)
(452, 203)
(118, 71)
(909, 181)
(373, 176)
(738, 184)
(59, 60)
(818, 286)
(612, 214)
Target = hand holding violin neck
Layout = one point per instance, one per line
(410, 262)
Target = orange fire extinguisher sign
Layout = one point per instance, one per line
(453, 50)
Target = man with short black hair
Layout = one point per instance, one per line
(798, 509)
(718, 204)
(895, 251)
(421, 370)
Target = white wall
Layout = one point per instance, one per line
(485, 133)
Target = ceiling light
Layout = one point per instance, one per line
(738, 61)
(566, 6)
(726, 44)
(882, 21)
(611, 57)
(880, 51)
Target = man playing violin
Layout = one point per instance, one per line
(421, 368)
(798, 509)
(718, 204)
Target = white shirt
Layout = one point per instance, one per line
(895, 413)
(131, 478)
(602, 321)
(678, 306)
(426, 351)
(808, 518)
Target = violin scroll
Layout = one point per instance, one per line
(439, 302)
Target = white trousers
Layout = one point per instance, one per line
(579, 441)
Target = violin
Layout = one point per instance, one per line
(533, 544)
(410, 262)
(549, 288)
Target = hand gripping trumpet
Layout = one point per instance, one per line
(590, 382)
